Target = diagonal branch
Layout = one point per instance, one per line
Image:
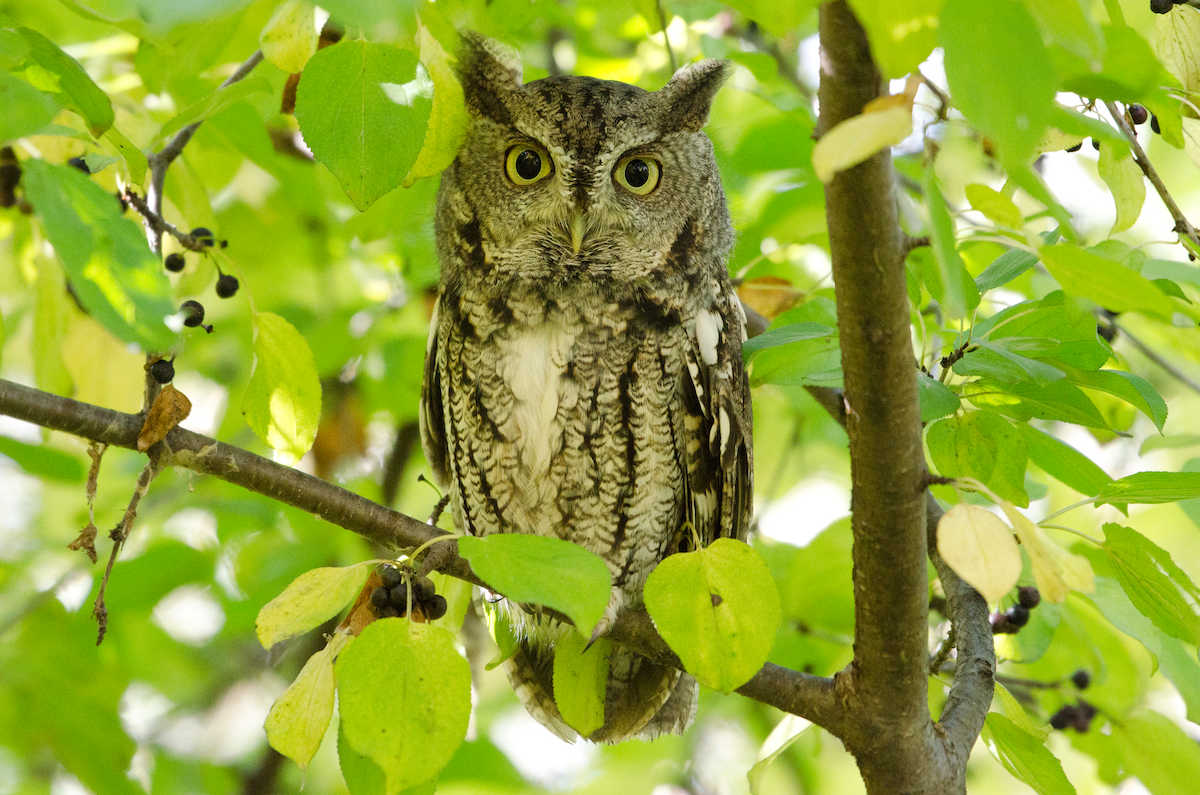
(812, 697)
(161, 160)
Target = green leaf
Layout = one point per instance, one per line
(902, 32)
(501, 629)
(994, 205)
(580, 681)
(214, 103)
(135, 161)
(404, 693)
(1024, 401)
(779, 19)
(995, 360)
(1175, 659)
(1024, 755)
(1151, 488)
(80, 94)
(1135, 564)
(41, 461)
(363, 110)
(363, 777)
(783, 335)
(1109, 284)
(283, 400)
(718, 609)
(984, 446)
(1063, 462)
(26, 110)
(786, 732)
(108, 262)
(312, 599)
(1012, 709)
(1004, 269)
(949, 284)
(52, 320)
(1125, 182)
(298, 719)
(543, 571)
(290, 37)
(937, 399)
(982, 41)
(447, 119)
(1133, 389)
(1158, 752)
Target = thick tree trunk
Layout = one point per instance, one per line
(891, 734)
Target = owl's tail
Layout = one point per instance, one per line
(643, 700)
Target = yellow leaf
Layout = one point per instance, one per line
(290, 37)
(995, 205)
(1191, 139)
(1054, 140)
(859, 138)
(1125, 181)
(298, 719)
(980, 548)
(1177, 39)
(1055, 570)
(447, 119)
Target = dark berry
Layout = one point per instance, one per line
(1084, 713)
(1076, 147)
(227, 285)
(1108, 333)
(163, 371)
(1002, 624)
(399, 595)
(1063, 718)
(1028, 596)
(1138, 114)
(1081, 679)
(175, 262)
(1154, 124)
(423, 589)
(436, 608)
(203, 236)
(79, 163)
(194, 313)
(1018, 616)
(1096, 144)
(391, 576)
(1161, 6)
(379, 598)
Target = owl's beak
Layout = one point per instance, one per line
(577, 229)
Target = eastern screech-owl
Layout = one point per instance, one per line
(584, 376)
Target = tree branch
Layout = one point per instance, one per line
(808, 696)
(1182, 225)
(161, 160)
(892, 735)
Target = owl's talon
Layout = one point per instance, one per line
(600, 631)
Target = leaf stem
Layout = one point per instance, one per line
(1070, 507)
(1084, 536)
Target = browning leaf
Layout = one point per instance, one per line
(170, 408)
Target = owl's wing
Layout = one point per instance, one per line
(718, 427)
(431, 417)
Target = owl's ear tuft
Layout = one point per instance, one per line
(690, 93)
(489, 71)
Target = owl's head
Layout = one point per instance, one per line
(572, 175)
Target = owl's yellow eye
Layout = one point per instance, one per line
(525, 164)
(638, 174)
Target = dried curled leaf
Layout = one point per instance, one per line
(170, 408)
(86, 541)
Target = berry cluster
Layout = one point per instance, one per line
(391, 598)
(1077, 716)
(1136, 114)
(1017, 616)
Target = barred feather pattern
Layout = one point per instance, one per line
(589, 388)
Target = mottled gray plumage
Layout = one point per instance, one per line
(584, 376)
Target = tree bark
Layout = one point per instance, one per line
(891, 733)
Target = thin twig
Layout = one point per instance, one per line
(161, 160)
(662, 23)
(159, 225)
(119, 535)
(1182, 225)
(1154, 357)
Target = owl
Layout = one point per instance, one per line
(584, 377)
